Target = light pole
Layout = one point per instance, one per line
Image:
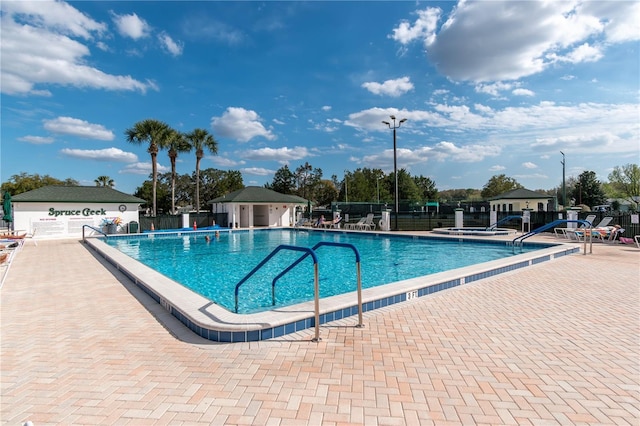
(564, 186)
(378, 188)
(346, 187)
(395, 164)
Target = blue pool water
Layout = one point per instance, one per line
(213, 268)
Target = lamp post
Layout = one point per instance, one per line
(564, 186)
(346, 187)
(395, 164)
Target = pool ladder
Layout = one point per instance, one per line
(307, 252)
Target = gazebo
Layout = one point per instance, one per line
(255, 206)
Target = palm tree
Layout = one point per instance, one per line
(104, 181)
(200, 139)
(176, 143)
(155, 133)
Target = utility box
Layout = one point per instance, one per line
(133, 227)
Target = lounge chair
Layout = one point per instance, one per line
(335, 223)
(368, 224)
(569, 233)
(356, 225)
(604, 222)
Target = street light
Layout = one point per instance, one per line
(564, 186)
(395, 162)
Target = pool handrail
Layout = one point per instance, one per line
(314, 248)
(316, 280)
(99, 231)
(307, 251)
(519, 239)
(505, 219)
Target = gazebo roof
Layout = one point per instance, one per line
(257, 194)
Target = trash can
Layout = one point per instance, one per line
(133, 227)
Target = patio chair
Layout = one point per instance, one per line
(368, 224)
(604, 222)
(356, 225)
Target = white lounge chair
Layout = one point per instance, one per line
(368, 224)
(355, 225)
(604, 222)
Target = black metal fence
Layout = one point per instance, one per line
(422, 221)
(201, 220)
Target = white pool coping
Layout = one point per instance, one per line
(210, 320)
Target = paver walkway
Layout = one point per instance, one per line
(556, 343)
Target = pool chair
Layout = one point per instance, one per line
(369, 224)
(356, 225)
(604, 222)
(335, 223)
(569, 233)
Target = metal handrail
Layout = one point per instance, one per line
(266, 259)
(94, 229)
(304, 256)
(521, 238)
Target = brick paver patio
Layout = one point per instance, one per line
(555, 343)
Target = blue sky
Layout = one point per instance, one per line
(489, 87)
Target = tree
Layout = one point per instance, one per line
(216, 183)
(626, 180)
(284, 181)
(326, 192)
(588, 190)
(499, 184)
(307, 179)
(155, 133)
(176, 143)
(104, 181)
(23, 182)
(162, 192)
(199, 139)
(427, 188)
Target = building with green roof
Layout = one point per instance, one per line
(62, 211)
(256, 206)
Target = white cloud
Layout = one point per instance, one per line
(240, 124)
(277, 154)
(80, 128)
(109, 154)
(131, 26)
(225, 161)
(326, 108)
(423, 27)
(471, 44)
(440, 152)
(174, 48)
(37, 140)
(143, 169)
(258, 171)
(523, 92)
(393, 88)
(493, 89)
(496, 168)
(529, 165)
(38, 48)
(49, 14)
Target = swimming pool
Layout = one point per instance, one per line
(214, 267)
(211, 321)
